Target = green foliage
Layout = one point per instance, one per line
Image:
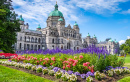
(9, 25)
(126, 46)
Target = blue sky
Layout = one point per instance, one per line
(104, 18)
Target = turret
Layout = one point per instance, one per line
(21, 20)
(76, 27)
(60, 23)
(39, 27)
(27, 26)
(88, 36)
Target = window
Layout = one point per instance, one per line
(58, 41)
(52, 40)
(25, 39)
(43, 40)
(52, 46)
(77, 43)
(32, 39)
(39, 40)
(20, 46)
(35, 40)
(61, 40)
(20, 38)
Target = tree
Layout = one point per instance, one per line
(126, 46)
(9, 25)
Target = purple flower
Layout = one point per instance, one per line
(76, 73)
(63, 71)
(44, 67)
(83, 76)
(40, 66)
(70, 72)
(89, 74)
(56, 69)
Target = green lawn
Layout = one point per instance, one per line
(126, 79)
(13, 75)
(127, 61)
(4, 59)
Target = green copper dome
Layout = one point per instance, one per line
(39, 26)
(116, 41)
(76, 23)
(21, 19)
(111, 40)
(56, 12)
(94, 36)
(88, 34)
(60, 19)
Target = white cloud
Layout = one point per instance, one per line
(123, 41)
(128, 37)
(37, 11)
(99, 6)
(126, 12)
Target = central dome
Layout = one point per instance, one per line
(56, 12)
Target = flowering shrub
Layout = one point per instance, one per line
(81, 63)
(110, 72)
(72, 78)
(39, 69)
(34, 68)
(89, 79)
(97, 75)
(45, 71)
(7, 55)
(58, 74)
(118, 71)
(65, 77)
(51, 72)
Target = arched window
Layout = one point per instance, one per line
(31, 47)
(35, 40)
(32, 39)
(28, 39)
(39, 40)
(52, 40)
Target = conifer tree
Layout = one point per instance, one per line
(9, 25)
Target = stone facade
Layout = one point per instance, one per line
(56, 35)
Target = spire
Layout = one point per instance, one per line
(56, 6)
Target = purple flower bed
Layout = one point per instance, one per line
(90, 49)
